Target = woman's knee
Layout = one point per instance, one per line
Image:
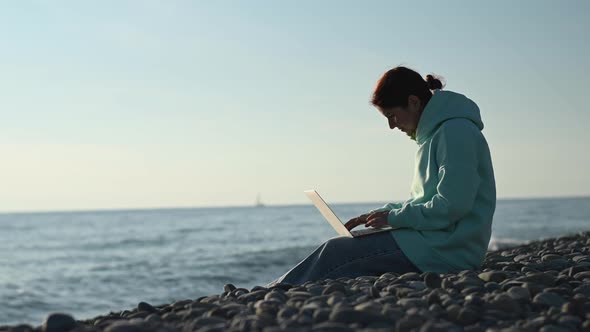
(336, 245)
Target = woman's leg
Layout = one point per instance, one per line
(342, 256)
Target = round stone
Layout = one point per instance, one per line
(335, 299)
(491, 286)
(146, 307)
(549, 299)
(228, 287)
(19, 328)
(523, 257)
(453, 311)
(432, 280)
(447, 283)
(554, 328)
(153, 318)
(284, 286)
(472, 289)
(253, 296)
(580, 258)
(505, 303)
(550, 257)
(410, 276)
(519, 293)
(533, 288)
(495, 276)
(417, 285)
(332, 327)
(275, 295)
(349, 316)
(582, 275)
(304, 295)
(204, 322)
(467, 316)
(583, 289)
(542, 278)
(286, 313)
(128, 326)
(335, 287)
(257, 288)
(474, 300)
(371, 306)
(557, 264)
(321, 315)
(412, 302)
(570, 320)
(436, 326)
(58, 322)
(374, 291)
(408, 323)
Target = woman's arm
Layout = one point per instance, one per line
(388, 207)
(457, 156)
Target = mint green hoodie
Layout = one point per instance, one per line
(445, 226)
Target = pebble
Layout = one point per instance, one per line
(467, 316)
(432, 280)
(335, 287)
(571, 321)
(539, 278)
(519, 293)
(349, 316)
(228, 287)
(58, 322)
(474, 299)
(549, 299)
(495, 276)
(554, 328)
(540, 286)
(533, 288)
(412, 302)
(582, 275)
(127, 326)
(253, 296)
(146, 307)
(332, 327)
(550, 257)
(504, 303)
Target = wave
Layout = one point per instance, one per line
(504, 243)
(260, 259)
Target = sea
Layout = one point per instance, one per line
(94, 262)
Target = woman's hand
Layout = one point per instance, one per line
(377, 219)
(352, 223)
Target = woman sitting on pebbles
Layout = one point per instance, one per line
(445, 226)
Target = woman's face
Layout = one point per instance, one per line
(404, 118)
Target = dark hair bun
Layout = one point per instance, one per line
(433, 83)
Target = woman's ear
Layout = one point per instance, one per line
(414, 102)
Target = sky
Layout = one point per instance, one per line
(148, 104)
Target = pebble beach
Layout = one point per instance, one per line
(543, 285)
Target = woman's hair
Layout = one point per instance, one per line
(398, 83)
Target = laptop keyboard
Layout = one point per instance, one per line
(365, 231)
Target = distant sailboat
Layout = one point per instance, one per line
(258, 201)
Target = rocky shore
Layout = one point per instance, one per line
(541, 286)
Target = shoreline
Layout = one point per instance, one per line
(543, 284)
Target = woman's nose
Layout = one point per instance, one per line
(391, 123)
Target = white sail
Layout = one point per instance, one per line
(258, 201)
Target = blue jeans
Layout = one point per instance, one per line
(342, 256)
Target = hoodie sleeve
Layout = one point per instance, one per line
(388, 207)
(457, 158)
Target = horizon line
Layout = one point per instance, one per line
(107, 210)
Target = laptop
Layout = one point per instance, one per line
(335, 222)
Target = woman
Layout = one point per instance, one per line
(445, 226)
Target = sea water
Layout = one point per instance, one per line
(91, 263)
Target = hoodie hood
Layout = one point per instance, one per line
(445, 105)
